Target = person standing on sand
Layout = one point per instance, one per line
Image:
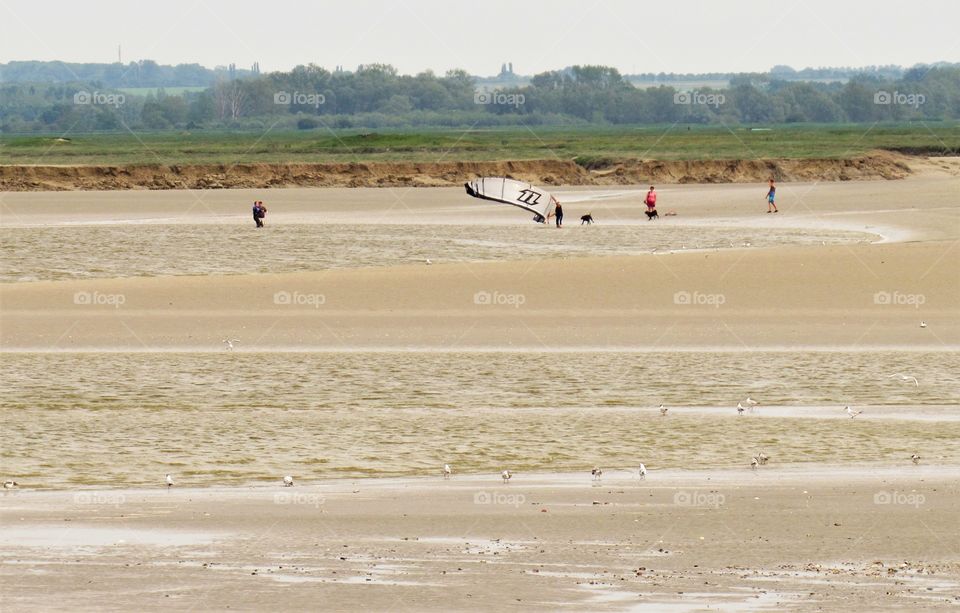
(256, 214)
(558, 211)
(771, 196)
(651, 202)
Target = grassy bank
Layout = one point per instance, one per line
(590, 145)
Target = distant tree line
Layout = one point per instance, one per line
(377, 96)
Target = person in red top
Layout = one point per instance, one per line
(651, 202)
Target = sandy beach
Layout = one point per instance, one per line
(381, 333)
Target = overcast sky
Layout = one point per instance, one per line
(536, 35)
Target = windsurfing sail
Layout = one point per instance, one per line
(516, 193)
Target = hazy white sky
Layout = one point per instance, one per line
(536, 35)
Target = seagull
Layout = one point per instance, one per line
(288, 481)
(762, 458)
(642, 473)
(229, 342)
(663, 410)
(740, 408)
(851, 412)
(751, 403)
(506, 476)
(446, 471)
(428, 261)
(9, 485)
(915, 458)
(597, 472)
(905, 378)
(169, 480)
(923, 324)
(754, 463)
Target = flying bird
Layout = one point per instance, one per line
(642, 473)
(903, 377)
(169, 480)
(597, 472)
(9, 485)
(506, 476)
(230, 342)
(446, 471)
(288, 481)
(851, 412)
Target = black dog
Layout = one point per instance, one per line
(652, 214)
(586, 219)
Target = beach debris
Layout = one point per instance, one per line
(904, 377)
(642, 472)
(597, 472)
(506, 476)
(230, 342)
(288, 481)
(663, 411)
(915, 458)
(9, 485)
(447, 471)
(169, 480)
(851, 412)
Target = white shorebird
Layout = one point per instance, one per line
(597, 472)
(663, 410)
(751, 403)
(762, 458)
(903, 377)
(288, 481)
(230, 342)
(506, 476)
(642, 472)
(447, 471)
(169, 480)
(428, 261)
(923, 324)
(9, 485)
(740, 408)
(754, 462)
(915, 458)
(851, 412)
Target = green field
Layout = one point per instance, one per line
(592, 144)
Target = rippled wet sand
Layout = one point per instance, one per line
(133, 250)
(126, 419)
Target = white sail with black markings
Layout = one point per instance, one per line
(513, 192)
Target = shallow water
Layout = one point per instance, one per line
(132, 250)
(126, 419)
